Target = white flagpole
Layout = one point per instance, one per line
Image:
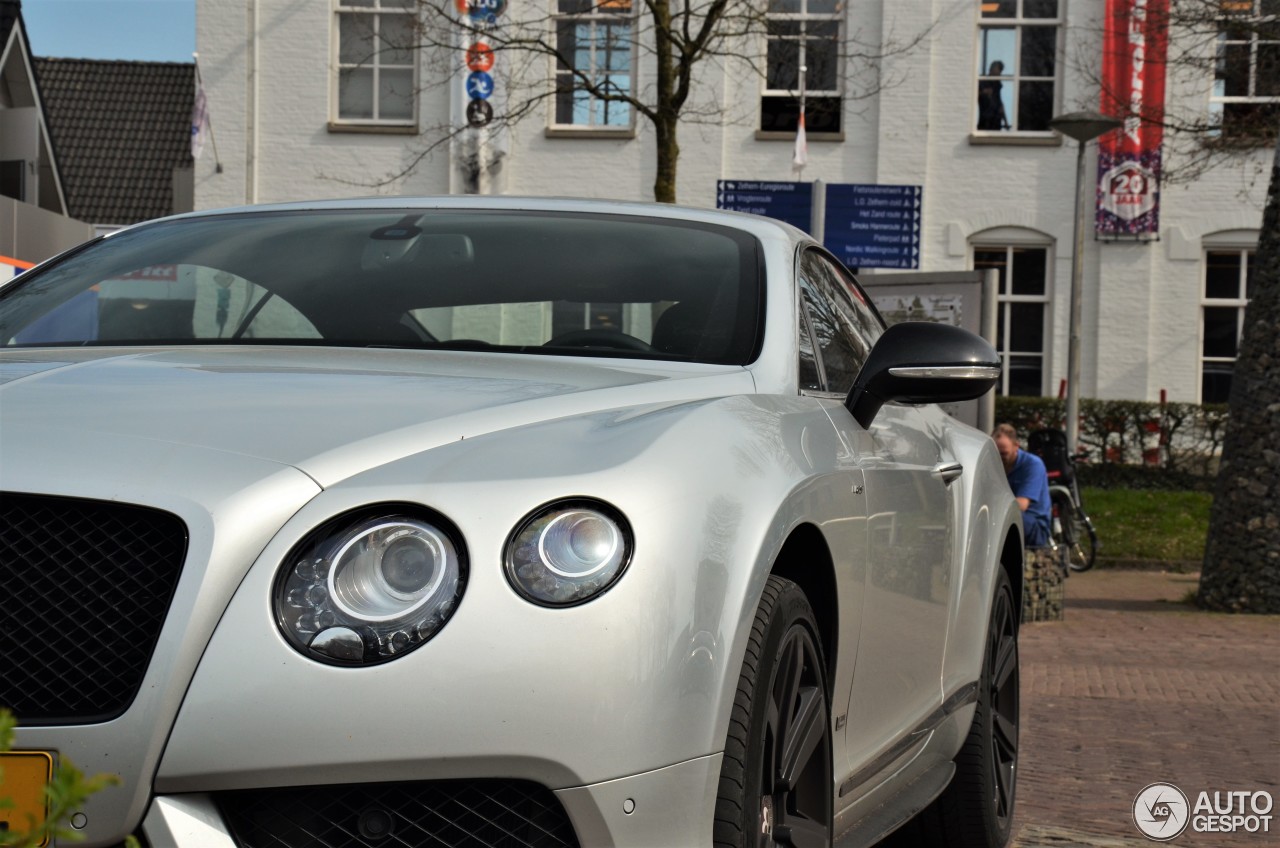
(801, 157)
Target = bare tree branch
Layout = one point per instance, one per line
(679, 44)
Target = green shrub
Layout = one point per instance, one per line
(1143, 477)
(66, 792)
(1184, 439)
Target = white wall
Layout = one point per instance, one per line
(1141, 301)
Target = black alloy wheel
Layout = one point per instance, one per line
(776, 780)
(1001, 672)
(976, 809)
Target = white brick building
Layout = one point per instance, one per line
(287, 129)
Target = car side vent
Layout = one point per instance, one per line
(458, 813)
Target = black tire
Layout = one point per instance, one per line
(1077, 534)
(776, 778)
(1071, 534)
(1084, 545)
(976, 810)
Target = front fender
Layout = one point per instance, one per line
(989, 515)
(639, 678)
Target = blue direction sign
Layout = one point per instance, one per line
(790, 202)
(874, 226)
(479, 85)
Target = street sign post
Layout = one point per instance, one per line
(479, 113)
(785, 201)
(874, 226)
(485, 11)
(480, 57)
(479, 85)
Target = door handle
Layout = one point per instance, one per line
(947, 472)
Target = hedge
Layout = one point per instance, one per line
(1131, 443)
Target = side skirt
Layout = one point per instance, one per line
(888, 817)
(881, 809)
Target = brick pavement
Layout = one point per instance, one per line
(1135, 687)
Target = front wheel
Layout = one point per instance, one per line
(1084, 550)
(776, 778)
(1073, 531)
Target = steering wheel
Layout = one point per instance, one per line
(600, 337)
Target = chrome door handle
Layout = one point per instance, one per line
(948, 471)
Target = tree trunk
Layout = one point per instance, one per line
(666, 114)
(1242, 555)
(664, 185)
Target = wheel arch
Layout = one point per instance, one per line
(805, 559)
(1011, 561)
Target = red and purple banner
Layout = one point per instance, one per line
(1134, 46)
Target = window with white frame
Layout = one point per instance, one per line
(802, 34)
(1246, 87)
(1228, 284)
(594, 64)
(1018, 66)
(376, 63)
(1023, 314)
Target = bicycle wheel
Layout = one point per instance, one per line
(1067, 531)
(1083, 549)
(1061, 526)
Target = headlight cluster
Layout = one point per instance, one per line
(368, 587)
(568, 552)
(363, 592)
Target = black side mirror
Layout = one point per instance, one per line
(923, 362)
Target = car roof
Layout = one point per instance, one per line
(768, 229)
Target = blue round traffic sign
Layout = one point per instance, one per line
(486, 10)
(479, 85)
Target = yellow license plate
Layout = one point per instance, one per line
(23, 777)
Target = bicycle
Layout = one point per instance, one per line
(1071, 526)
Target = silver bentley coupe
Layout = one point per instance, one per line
(497, 522)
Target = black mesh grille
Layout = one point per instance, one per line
(455, 813)
(85, 587)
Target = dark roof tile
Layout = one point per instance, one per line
(119, 129)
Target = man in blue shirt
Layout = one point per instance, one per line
(1030, 485)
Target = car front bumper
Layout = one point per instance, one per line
(663, 807)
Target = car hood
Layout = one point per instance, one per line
(328, 412)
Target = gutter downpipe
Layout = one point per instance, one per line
(251, 130)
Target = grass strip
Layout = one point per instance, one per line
(1149, 524)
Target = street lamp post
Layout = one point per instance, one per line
(1083, 127)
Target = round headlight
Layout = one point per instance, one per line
(568, 552)
(388, 570)
(366, 590)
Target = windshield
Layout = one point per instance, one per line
(531, 282)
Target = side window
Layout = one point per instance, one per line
(844, 326)
(838, 346)
(810, 379)
(866, 322)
